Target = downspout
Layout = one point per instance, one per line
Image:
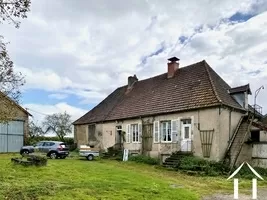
(230, 120)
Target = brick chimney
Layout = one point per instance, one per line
(173, 65)
(131, 81)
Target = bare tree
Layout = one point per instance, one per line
(59, 123)
(10, 81)
(34, 130)
(11, 9)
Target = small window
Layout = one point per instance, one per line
(186, 121)
(165, 131)
(134, 132)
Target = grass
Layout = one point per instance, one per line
(80, 179)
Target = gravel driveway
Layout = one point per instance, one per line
(262, 195)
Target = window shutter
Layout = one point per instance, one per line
(156, 131)
(178, 128)
(174, 130)
(192, 124)
(140, 133)
(128, 134)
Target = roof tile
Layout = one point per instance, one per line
(192, 87)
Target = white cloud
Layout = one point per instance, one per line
(88, 49)
(59, 96)
(40, 111)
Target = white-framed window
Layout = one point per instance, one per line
(166, 131)
(134, 133)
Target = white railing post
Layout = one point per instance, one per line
(235, 188)
(254, 188)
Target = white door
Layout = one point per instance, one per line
(186, 142)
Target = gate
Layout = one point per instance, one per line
(147, 138)
(11, 136)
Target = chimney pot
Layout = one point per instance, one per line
(173, 66)
(131, 81)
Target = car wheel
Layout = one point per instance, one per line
(25, 152)
(53, 155)
(90, 157)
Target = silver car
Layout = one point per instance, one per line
(53, 149)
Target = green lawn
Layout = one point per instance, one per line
(80, 179)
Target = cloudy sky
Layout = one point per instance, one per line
(75, 52)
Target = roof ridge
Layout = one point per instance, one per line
(211, 81)
(155, 76)
(14, 102)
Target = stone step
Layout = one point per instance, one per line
(172, 160)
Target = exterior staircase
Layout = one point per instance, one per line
(174, 160)
(238, 139)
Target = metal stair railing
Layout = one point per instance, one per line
(233, 137)
(250, 118)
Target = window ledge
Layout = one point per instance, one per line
(166, 142)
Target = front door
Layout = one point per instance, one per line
(186, 142)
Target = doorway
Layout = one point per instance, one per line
(118, 137)
(186, 137)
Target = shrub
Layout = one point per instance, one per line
(245, 172)
(144, 159)
(202, 166)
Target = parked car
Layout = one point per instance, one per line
(88, 152)
(53, 149)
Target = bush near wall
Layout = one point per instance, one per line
(201, 166)
(144, 159)
(34, 140)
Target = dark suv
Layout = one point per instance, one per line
(53, 149)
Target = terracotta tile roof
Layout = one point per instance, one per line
(192, 87)
(243, 88)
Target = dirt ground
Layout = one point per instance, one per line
(262, 195)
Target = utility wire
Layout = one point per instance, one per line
(36, 111)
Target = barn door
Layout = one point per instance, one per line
(147, 138)
(11, 136)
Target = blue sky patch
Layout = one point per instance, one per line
(158, 51)
(240, 17)
(254, 73)
(182, 39)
